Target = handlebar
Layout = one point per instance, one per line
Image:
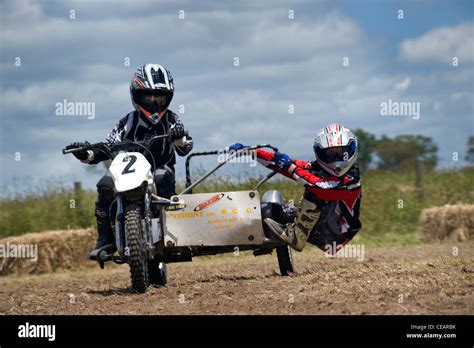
(109, 149)
(115, 146)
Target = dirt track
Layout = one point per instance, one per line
(426, 279)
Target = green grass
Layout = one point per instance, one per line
(383, 221)
(53, 208)
(391, 204)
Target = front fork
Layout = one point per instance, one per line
(120, 228)
(147, 226)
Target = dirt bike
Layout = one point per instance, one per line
(151, 231)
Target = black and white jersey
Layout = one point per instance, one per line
(133, 127)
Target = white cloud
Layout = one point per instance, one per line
(43, 96)
(440, 45)
(403, 85)
(64, 134)
(18, 10)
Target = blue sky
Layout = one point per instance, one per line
(282, 61)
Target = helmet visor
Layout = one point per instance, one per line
(154, 102)
(336, 153)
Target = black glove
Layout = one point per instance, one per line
(177, 132)
(80, 155)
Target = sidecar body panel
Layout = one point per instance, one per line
(215, 219)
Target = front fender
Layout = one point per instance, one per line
(129, 170)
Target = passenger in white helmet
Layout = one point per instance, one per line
(328, 213)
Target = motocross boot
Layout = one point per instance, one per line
(105, 239)
(295, 234)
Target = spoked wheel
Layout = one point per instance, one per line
(285, 260)
(157, 273)
(136, 249)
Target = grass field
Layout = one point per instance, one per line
(391, 205)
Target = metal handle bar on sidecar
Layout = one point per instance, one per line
(232, 155)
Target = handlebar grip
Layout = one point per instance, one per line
(66, 151)
(168, 137)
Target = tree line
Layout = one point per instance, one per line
(401, 152)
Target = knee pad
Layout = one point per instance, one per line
(105, 194)
(307, 216)
(164, 175)
(165, 181)
(105, 189)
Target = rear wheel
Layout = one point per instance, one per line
(285, 260)
(137, 259)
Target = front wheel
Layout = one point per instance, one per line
(285, 260)
(137, 259)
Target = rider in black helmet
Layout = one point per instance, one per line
(151, 89)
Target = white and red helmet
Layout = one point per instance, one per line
(336, 149)
(151, 89)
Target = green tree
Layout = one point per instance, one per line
(470, 149)
(401, 152)
(367, 144)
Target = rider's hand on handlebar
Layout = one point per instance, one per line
(177, 132)
(80, 155)
(236, 147)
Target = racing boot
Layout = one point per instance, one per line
(105, 240)
(295, 234)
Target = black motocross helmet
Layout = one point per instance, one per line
(152, 90)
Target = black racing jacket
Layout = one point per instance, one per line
(135, 127)
(350, 208)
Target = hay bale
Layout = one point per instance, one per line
(449, 222)
(64, 249)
